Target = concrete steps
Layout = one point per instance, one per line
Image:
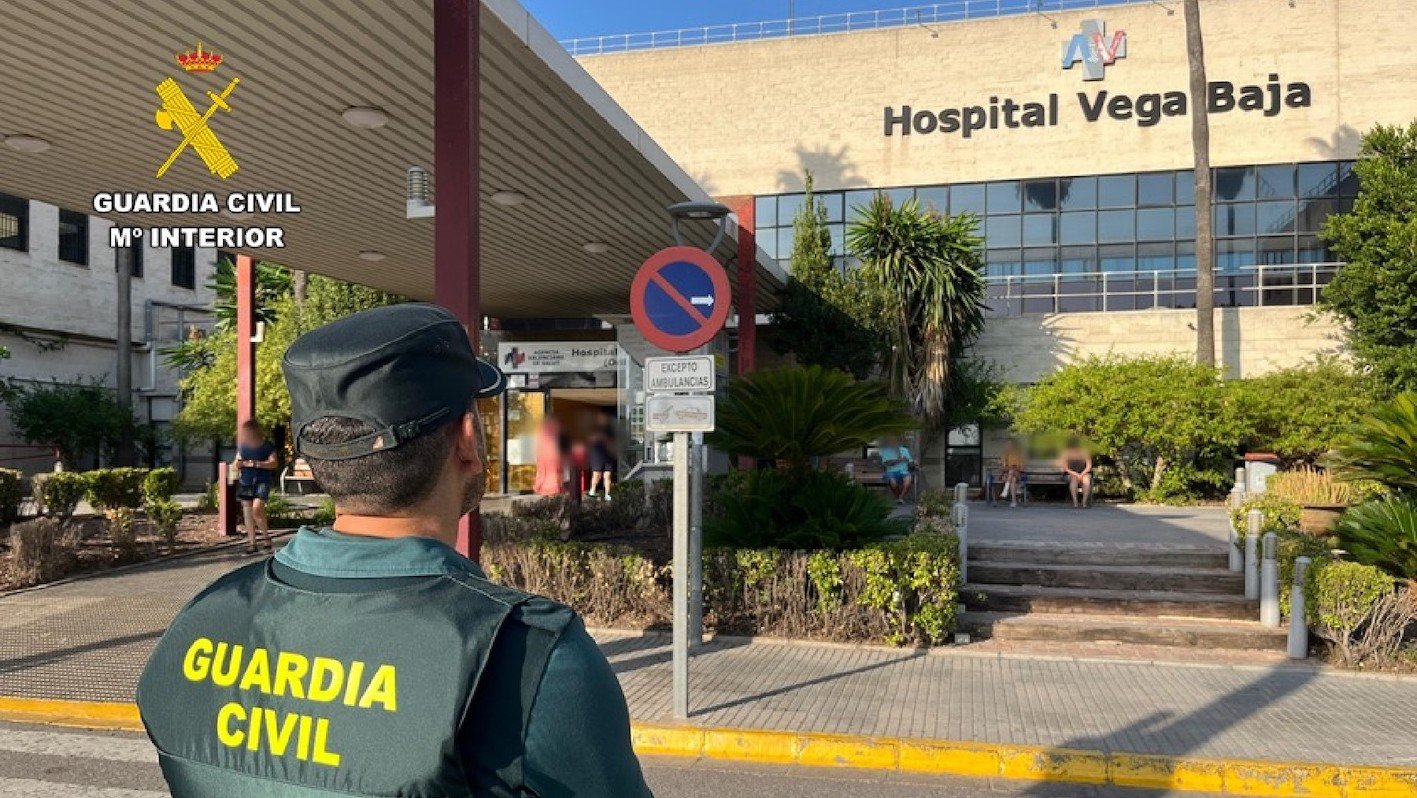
(1108, 577)
(1046, 627)
(1099, 554)
(1132, 603)
(1128, 593)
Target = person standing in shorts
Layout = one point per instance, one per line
(256, 459)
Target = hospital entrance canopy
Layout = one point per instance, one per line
(83, 76)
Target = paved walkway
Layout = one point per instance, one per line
(1101, 523)
(87, 640)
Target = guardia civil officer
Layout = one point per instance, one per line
(371, 658)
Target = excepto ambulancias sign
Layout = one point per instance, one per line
(548, 357)
(689, 374)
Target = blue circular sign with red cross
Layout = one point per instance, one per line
(680, 298)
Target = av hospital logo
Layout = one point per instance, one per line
(178, 112)
(1091, 48)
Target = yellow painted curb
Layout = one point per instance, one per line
(942, 757)
(83, 714)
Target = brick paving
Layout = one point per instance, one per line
(87, 640)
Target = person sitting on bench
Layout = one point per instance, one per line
(896, 461)
(1077, 463)
(1011, 470)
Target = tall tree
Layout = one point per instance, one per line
(1200, 150)
(1376, 290)
(927, 270)
(826, 318)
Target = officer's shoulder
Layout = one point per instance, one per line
(528, 608)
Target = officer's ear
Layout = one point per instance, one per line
(469, 447)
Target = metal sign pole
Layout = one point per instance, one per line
(681, 575)
(696, 541)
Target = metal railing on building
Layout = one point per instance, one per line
(923, 15)
(1271, 285)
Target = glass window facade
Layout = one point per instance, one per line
(1133, 223)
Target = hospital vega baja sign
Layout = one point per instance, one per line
(1094, 50)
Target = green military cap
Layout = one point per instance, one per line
(404, 370)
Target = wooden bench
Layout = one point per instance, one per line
(299, 474)
(1035, 473)
(868, 472)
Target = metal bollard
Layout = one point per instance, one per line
(961, 492)
(1236, 561)
(1254, 521)
(959, 514)
(1269, 582)
(1298, 616)
(1237, 497)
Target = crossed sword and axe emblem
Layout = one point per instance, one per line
(178, 110)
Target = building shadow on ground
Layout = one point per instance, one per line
(1173, 734)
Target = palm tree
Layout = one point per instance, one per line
(795, 415)
(1200, 148)
(928, 272)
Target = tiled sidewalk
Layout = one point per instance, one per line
(87, 640)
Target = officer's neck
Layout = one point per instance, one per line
(432, 525)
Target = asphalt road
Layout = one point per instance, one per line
(43, 762)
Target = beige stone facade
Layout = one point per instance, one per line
(1248, 341)
(747, 118)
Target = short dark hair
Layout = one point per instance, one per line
(252, 425)
(382, 482)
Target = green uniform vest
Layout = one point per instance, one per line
(261, 689)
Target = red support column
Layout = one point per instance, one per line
(245, 376)
(456, 151)
(747, 285)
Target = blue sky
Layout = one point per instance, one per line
(568, 19)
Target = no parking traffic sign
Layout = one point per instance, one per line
(679, 299)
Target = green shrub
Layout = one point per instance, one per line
(1300, 413)
(41, 551)
(1383, 446)
(1148, 416)
(165, 515)
(160, 484)
(1280, 514)
(122, 532)
(1341, 595)
(934, 503)
(116, 488)
(915, 582)
(900, 592)
(794, 415)
(1291, 546)
(609, 586)
(1382, 533)
(11, 492)
(210, 499)
(800, 510)
(325, 516)
(62, 491)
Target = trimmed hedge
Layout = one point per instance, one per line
(116, 488)
(160, 484)
(62, 492)
(900, 592)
